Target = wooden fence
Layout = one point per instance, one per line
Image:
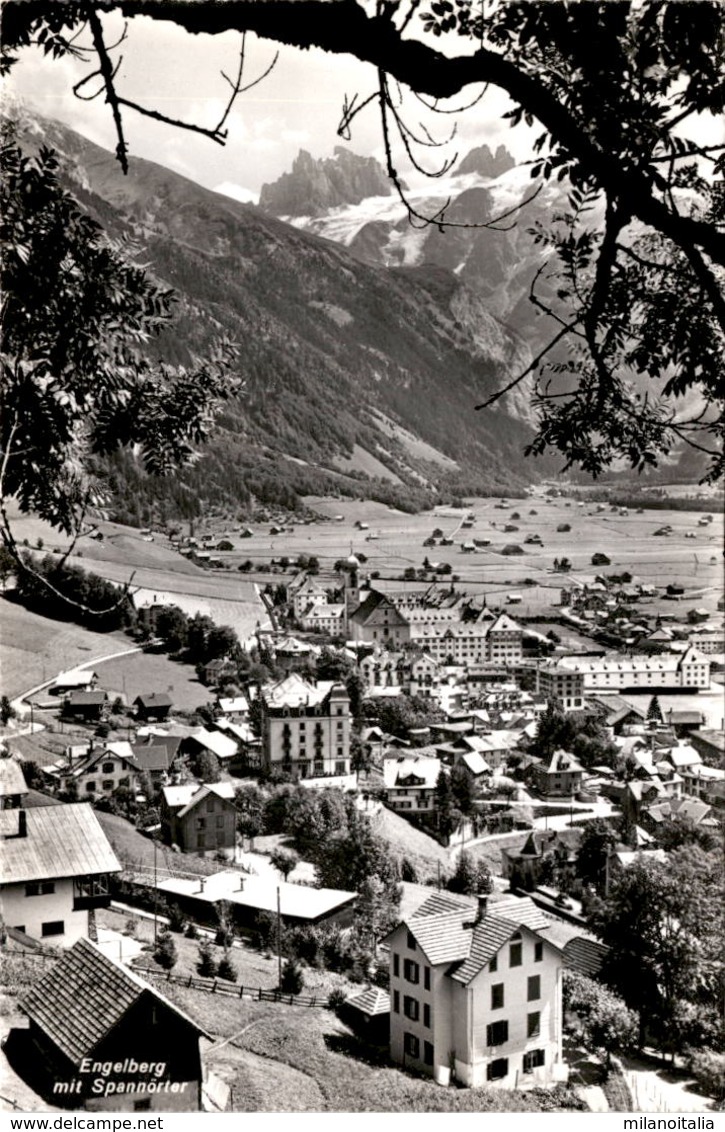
(234, 990)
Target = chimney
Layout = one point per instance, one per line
(22, 823)
(202, 882)
(241, 884)
(482, 908)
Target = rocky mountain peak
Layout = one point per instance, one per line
(316, 184)
(483, 161)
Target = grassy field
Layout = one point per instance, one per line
(142, 672)
(296, 1059)
(34, 649)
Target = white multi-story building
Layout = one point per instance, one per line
(410, 783)
(475, 996)
(306, 727)
(689, 670)
(555, 681)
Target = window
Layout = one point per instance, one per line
(52, 927)
(220, 821)
(533, 1025)
(411, 971)
(538, 952)
(497, 996)
(108, 768)
(497, 1069)
(396, 1002)
(497, 1033)
(493, 965)
(426, 1015)
(411, 941)
(396, 964)
(411, 1045)
(534, 987)
(533, 1059)
(90, 786)
(201, 823)
(411, 1008)
(210, 805)
(515, 955)
(426, 978)
(107, 784)
(427, 1053)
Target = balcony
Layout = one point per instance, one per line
(91, 892)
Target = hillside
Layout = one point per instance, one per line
(343, 361)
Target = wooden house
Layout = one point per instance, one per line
(109, 1042)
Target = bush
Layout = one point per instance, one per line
(708, 1069)
(336, 999)
(192, 932)
(165, 951)
(292, 978)
(207, 965)
(227, 970)
(177, 920)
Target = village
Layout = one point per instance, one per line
(400, 813)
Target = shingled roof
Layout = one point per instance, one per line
(60, 841)
(372, 1001)
(83, 996)
(487, 940)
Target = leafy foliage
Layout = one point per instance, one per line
(77, 378)
(604, 1022)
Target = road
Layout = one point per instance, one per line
(19, 703)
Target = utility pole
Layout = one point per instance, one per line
(156, 892)
(279, 939)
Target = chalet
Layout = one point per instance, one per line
(85, 705)
(153, 705)
(98, 770)
(705, 783)
(199, 819)
(475, 996)
(110, 1042)
(410, 783)
(75, 680)
(235, 708)
(156, 755)
(560, 776)
(655, 817)
(54, 869)
(219, 670)
(13, 787)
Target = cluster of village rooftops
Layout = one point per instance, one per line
(474, 985)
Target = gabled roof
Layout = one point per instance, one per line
(87, 699)
(153, 756)
(563, 761)
(487, 939)
(84, 995)
(60, 841)
(154, 700)
(180, 797)
(405, 771)
(220, 745)
(74, 678)
(12, 779)
(372, 603)
(443, 937)
(294, 692)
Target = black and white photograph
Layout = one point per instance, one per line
(362, 601)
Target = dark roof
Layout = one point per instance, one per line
(446, 902)
(488, 938)
(61, 841)
(154, 699)
(154, 756)
(371, 603)
(83, 996)
(87, 699)
(585, 955)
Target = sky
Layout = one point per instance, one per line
(298, 106)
